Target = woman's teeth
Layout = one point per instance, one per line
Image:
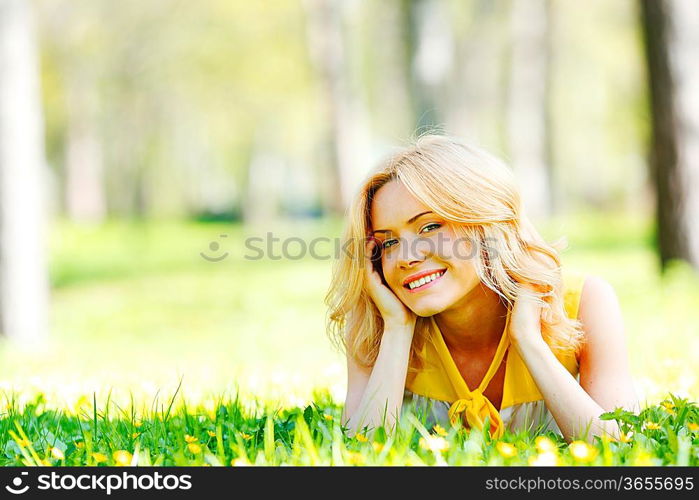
(426, 279)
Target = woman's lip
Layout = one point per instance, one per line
(428, 285)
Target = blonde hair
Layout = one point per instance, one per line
(476, 193)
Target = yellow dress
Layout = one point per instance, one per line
(438, 387)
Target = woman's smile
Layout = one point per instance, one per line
(424, 282)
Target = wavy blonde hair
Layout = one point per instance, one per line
(477, 194)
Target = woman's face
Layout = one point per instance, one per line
(414, 246)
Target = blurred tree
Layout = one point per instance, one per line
(429, 43)
(528, 104)
(670, 29)
(344, 142)
(23, 269)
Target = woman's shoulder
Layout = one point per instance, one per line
(581, 288)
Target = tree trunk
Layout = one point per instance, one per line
(345, 144)
(671, 39)
(430, 49)
(84, 165)
(23, 268)
(528, 132)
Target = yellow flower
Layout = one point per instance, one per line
(194, 448)
(122, 457)
(329, 418)
(99, 457)
(667, 405)
(439, 430)
(355, 458)
(361, 438)
(544, 444)
(547, 458)
(80, 445)
(652, 426)
(582, 451)
(239, 462)
(693, 426)
(135, 435)
(138, 423)
(57, 453)
(190, 439)
(626, 437)
(434, 444)
(211, 433)
(506, 449)
(245, 436)
(378, 447)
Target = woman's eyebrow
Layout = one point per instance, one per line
(409, 221)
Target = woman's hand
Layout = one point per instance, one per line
(525, 319)
(392, 310)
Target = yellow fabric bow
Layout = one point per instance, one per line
(473, 410)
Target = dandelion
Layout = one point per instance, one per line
(246, 437)
(329, 418)
(692, 426)
(194, 448)
(138, 423)
(80, 445)
(211, 433)
(582, 451)
(361, 438)
(190, 439)
(378, 447)
(544, 445)
(434, 443)
(99, 457)
(667, 405)
(122, 457)
(439, 430)
(506, 449)
(57, 453)
(652, 426)
(135, 435)
(547, 458)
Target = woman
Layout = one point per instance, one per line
(450, 300)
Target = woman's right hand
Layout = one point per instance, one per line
(393, 311)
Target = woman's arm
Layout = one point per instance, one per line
(375, 395)
(605, 381)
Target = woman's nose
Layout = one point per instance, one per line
(414, 251)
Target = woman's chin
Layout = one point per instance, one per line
(427, 310)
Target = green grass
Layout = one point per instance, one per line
(229, 432)
(135, 310)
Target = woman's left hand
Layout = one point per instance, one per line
(525, 319)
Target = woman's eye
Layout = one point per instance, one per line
(385, 244)
(434, 224)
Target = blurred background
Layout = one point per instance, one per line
(143, 143)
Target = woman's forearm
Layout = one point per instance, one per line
(575, 412)
(383, 396)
